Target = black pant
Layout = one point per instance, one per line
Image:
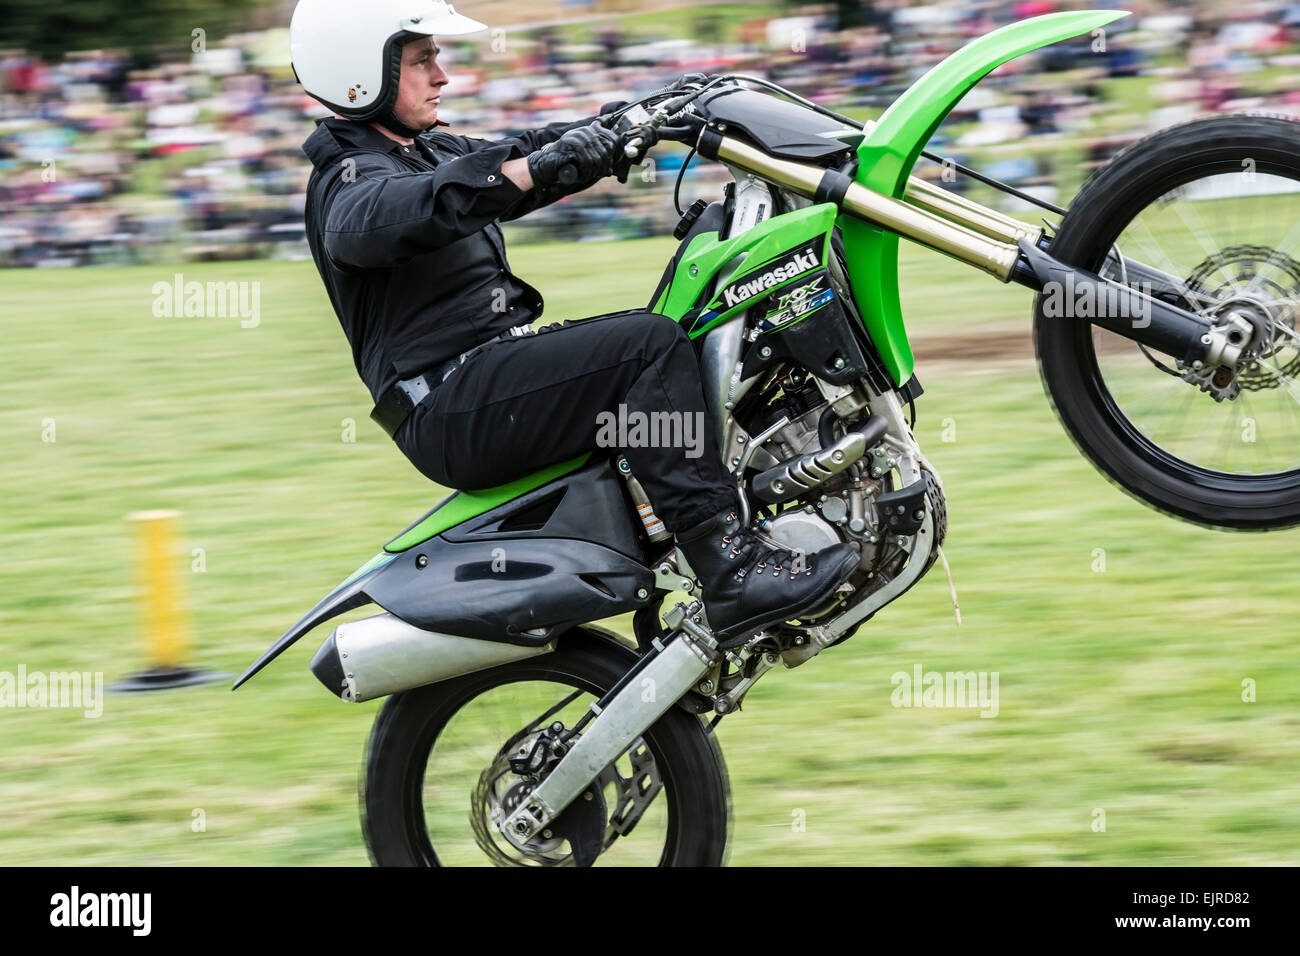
(523, 403)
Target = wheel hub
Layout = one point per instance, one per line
(1261, 286)
(590, 824)
(499, 793)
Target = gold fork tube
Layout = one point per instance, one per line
(959, 209)
(909, 221)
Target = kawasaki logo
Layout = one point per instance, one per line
(794, 264)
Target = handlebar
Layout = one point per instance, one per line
(634, 145)
(639, 139)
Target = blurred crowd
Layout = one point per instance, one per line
(197, 156)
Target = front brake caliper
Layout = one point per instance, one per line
(546, 750)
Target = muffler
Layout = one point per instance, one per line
(802, 474)
(381, 655)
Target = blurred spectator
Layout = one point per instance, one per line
(197, 156)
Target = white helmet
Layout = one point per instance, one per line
(348, 54)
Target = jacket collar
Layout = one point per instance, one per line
(333, 137)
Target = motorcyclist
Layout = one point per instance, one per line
(402, 222)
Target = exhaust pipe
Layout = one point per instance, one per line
(802, 474)
(381, 655)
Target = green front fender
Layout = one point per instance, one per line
(890, 149)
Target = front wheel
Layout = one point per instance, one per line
(1215, 206)
(438, 777)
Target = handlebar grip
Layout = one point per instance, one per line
(568, 174)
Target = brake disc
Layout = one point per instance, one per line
(1263, 285)
(634, 793)
(586, 824)
(498, 794)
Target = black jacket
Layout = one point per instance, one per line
(407, 242)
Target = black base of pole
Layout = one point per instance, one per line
(165, 678)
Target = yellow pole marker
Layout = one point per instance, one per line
(163, 612)
(167, 628)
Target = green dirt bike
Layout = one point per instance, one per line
(1165, 319)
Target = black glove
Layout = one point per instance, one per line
(581, 155)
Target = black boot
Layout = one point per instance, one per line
(749, 585)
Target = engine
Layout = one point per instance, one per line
(815, 480)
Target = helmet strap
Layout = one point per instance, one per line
(393, 63)
(395, 126)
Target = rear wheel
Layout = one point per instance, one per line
(1215, 204)
(437, 752)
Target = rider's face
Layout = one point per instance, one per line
(420, 85)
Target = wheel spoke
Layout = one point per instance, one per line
(1183, 209)
(1292, 384)
(1236, 264)
(1277, 254)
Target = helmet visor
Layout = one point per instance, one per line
(442, 21)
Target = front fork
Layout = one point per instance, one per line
(1001, 246)
(1125, 310)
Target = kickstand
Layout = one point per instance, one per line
(952, 588)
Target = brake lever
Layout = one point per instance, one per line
(640, 137)
(636, 143)
(568, 174)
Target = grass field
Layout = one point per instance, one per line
(1121, 638)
